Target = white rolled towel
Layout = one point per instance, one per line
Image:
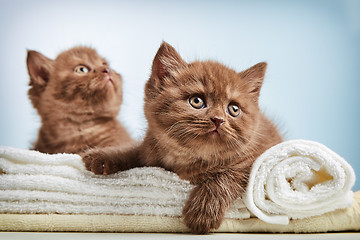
(298, 179)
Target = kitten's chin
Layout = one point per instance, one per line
(210, 140)
(213, 133)
(109, 83)
(109, 88)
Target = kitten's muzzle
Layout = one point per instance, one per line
(108, 77)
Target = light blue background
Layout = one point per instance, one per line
(312, 48)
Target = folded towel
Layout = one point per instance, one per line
(298, 179)
(34, 182)
(340, 220)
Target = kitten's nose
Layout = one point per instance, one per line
(106, 70)
(217, 121)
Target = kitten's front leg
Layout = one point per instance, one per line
(203, 211)
(208, 202)
(110, 160)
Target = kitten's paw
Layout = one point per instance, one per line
(203, 214)
(98, 162)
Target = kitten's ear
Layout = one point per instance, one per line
(166, 61)
(255, 77)
(39, 68)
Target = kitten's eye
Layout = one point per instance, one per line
(196, 102)
(81, 69)
(234, 110)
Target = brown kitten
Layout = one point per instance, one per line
(78, 98)
(204, 123)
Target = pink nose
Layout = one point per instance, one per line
(106, 70)
(217, 121)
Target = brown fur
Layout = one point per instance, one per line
(77, 110)
(206, 146)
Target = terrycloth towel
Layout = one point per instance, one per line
(298, 179)
(33, 182)
(340, 220)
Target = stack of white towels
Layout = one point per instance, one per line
(295, 179)
(33, 182)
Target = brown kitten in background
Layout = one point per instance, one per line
(204, 123)
(78, 98)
